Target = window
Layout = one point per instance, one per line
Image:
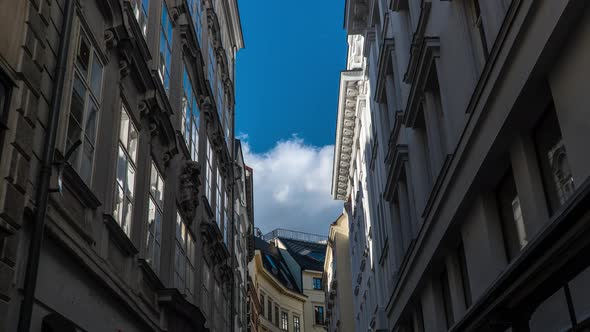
(190, 116)
(218, 202)
(553, 159)
(127, 154)
(4, 101)
(205, 304)
(284, 321)
(269, 307)
(319, 315)
(165, 47)
(140, 10)
(184, 259)
(155, 205)
(219, 100)
(209, 175)
(194, 7)
(446, 299)
(276, 315)
(84, 106)
(317, 283)
(262, 302)
(296, 324)
(513, 229)
(225, 221)
(462, 260)
(211, 67)
(476, 24)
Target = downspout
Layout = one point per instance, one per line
(233, 177)
(43, 191)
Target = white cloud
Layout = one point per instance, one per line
(292, 183)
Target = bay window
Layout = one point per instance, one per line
(190, 116)
(84, 106)
(184, 259)
(165, 48)
(126, 171)
(154, 230)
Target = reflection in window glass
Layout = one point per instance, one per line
(125, 171)
(84, 107)
(557, 175)
(155, 216)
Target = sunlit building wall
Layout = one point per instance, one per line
(479, 130)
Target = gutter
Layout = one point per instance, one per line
(44, 178)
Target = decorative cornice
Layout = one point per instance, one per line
(395, 171)
(417, 41)
(385, 66)
(424, 63)
(398, 5)
(351, 88)
(189, 184)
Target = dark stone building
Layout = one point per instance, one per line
(134, 100)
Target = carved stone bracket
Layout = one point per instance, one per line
(206, 107)
(159, 125)
(189, 189)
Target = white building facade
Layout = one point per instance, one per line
(459, 154)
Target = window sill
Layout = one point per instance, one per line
(79, 188)
(119, 237)
(150, 275)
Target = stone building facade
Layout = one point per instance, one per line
(138, 233)
(337, 278)
(474, 167)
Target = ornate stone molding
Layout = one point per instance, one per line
(424, 64)
(351, 98)
(395, 171)
(152, 111)
(189, 183)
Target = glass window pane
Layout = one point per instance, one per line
(96, 78)
(77, 103)
(121, 168)
(90, 128)
(86, 163)
(119, 204)
(127, 216)
(124, 127)
(130, 180)
(154, 182)
(132, 146)
(160, 190)
(83, 57)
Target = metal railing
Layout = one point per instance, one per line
(294, 235)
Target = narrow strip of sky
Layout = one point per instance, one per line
(287, 76)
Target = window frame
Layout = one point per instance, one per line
(141, 9)
(209, 173)
(284, 321)
(90, 98)
(191, 115)
(318, 315)
(316, 287)
(166, 33)
(124, 155)
(158, 204)
(185, 245)
(555, 200)
(296, 324)
(508, 222)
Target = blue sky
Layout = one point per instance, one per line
(287, 76)
(286, 101)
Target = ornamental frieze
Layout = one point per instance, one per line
(188, 195)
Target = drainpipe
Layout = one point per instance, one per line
(43, 190)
